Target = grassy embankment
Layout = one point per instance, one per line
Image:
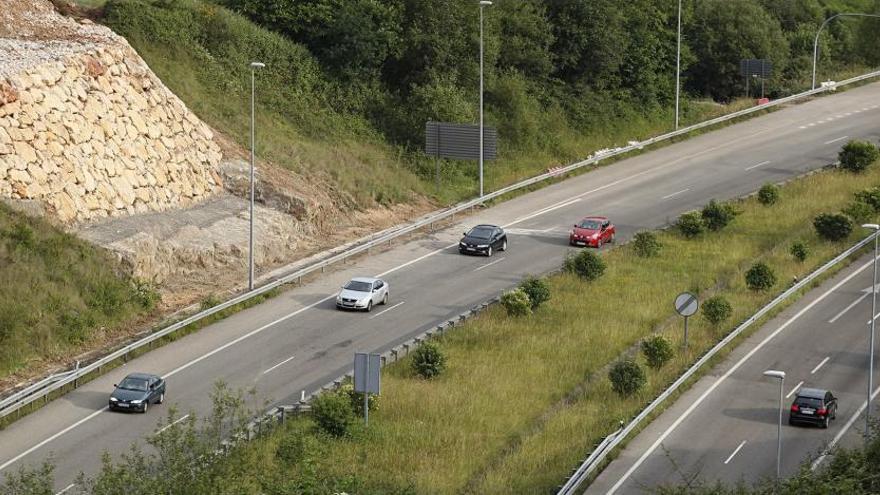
(523, 399)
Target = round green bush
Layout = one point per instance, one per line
(516, 302)
(768, 194)
(333, 413)
(800, 251)
(646, 244)
(760, 277)
(537, 290)
(870, 197)
(627, 377)
(586, 265)
(859, 211)
(833, 226)
(429, 360)
(716, 216)
(690, 224)
(856, 156)
(716, 309)
(657, 350)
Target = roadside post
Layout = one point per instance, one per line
(686, 304)
(366, 378)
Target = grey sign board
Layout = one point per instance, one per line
(366, 373)
(756, 67)
(686, 304)
(460, 141)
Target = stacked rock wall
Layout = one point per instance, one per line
(88, 131)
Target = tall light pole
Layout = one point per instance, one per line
(483, 3)
(816, 41)
(678, 66)
(780, 375)
(254, 67)
(876, 229)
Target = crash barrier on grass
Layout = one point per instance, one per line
(366, 243)
(598, 456)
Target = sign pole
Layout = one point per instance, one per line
(367, 400)
(685, 335)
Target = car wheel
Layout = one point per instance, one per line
(489, 252)
(612, 238)
(369, 306)
(599, 243)
(824, 423)
(504, 245)
(790, 422)
(161, 398)
(146, 406)
(385, 299)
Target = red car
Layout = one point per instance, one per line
(592, 231)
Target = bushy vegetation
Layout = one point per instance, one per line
(585, 264)
(646, 244)
(717, 309)
(870, 197)
(768, 194)
(690, 224)
(429, 361)
(627, 377)
(799, 250)
(760, 277)
(536, 289)
(517, 302)
(333, 412)
(856, 156)
(833, 226)
(657, 350)
(717, 215)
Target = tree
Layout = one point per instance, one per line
(856, 156)
(333, 413)
(646, 244)
(716, 309)
(768, 194)
(657, 351)
(833, 226)
(690, 224)
(716, 216)
(537, 290)
(516, 302)
(760, 277)
(627, 377)
(429, 360)
(586, 265)
(800, 251)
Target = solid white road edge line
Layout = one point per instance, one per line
(727, 374)
(676, 193)
(843, 431)
(282, 363)
(53, 437)
(160, 430)
(820, 365)
(736, 451)
(758, 165)
(68, 487)
(499, 260)
(380, 313)
(851, 306)
(795, 389)
(836, 140)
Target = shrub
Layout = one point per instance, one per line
(859, 212)
(586, 265)
(646, 244)
(537, 290)
(145, 294)
(627, 377)
(357, 399)
(429, 360)
(800, 251)
(870, 197)
(333, 413)
(517, 303)
(768, 194)
(833, 226)
(296, 448)
(690, 224)
(716, 215)
(857, 155)
(657, 351)
(716, 309)
(760, 277)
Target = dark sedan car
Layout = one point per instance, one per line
(483, 239)
(813, 405)
(137, 391)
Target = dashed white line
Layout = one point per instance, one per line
(811, 124)
(53, 437)
(851, 306)
(676, 193)
(380, 313)
(795, 389)
(758, 165)
(820, 365)
(836, 140)
(499, 260)
(279, 364)
(68, 487)
(802, 127)
(736, 451)
(178, 420)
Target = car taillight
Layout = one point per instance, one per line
(822, 411)
(795, 408)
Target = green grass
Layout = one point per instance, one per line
(524, 399)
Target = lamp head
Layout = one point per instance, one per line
(257, 65)
(775, 374)
(485, 3)
(872, 226)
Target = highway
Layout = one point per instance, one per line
(724, 429)
(298, 341)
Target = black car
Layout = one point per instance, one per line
(483, 239)
(137, 391)
(813, 405)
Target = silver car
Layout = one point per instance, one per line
(362, 293)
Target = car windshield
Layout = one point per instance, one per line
(358, 286)
(480, 233)
(138, 384)
(809, 402)
(589, 224)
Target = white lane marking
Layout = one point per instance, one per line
(68, 487)
(380, 313)
(802, 127)
(53, 437)
(851, 306)
(727, 374)
(820, 365)
(795, 389)
(736, 451)
(758, 165)
(676, 193)
(410, 262)
(178, 420)
(836, 140)
(499, 260)
(282, 363)
(811, 124)
(843, 431)
(544, 210)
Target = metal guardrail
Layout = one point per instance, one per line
(366, 243)
(598, 456)
(36, 387)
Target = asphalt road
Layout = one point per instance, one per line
(724, 429)
(298, 341)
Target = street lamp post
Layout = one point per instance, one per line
(876, 229)
(781, 376)
(483, 3)
(678, 66)
(816, 40)
(254, 67)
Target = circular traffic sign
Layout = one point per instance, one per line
(686, 304)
